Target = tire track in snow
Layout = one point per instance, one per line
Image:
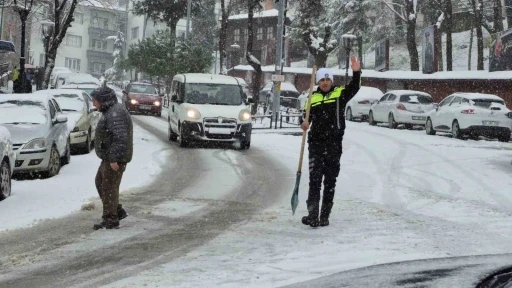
(501, 201)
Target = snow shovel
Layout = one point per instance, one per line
(295, 195)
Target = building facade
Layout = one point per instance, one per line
(85, 47)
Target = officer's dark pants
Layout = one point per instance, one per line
(324, 164)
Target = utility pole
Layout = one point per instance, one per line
(187, 31)
(279, 59)
(2, 22)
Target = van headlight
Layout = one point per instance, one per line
(157, 103)
(38, 143)
(245, 115)
(193, 113)
(133, 101)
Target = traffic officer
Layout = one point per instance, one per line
(327, 122)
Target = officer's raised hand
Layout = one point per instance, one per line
(355, 64)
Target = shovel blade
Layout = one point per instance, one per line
(295, 195)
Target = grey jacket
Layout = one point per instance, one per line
(114, 133)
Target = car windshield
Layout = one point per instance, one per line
(216, 94)
(143, 89)
(289, 102)
(416, 98)
(486, 103)
(70, 102)
(22, 112)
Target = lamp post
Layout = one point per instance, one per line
(348, 41)
(234, 51)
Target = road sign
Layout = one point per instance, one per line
(278, 78)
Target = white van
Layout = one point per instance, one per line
(208, 107)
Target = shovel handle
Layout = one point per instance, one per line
(308, 111)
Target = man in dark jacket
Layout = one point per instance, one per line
(325, 148)
(114, 146)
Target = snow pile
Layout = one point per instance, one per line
(366, 92)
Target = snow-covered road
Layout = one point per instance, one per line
(401, 195)
(222, 218)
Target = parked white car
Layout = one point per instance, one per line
(359, 106)
(82, 116)
(39, 133)
(87, 88)
(55, 72)
(210, 108)
(7, 162)
(401, 107)
(473, 115)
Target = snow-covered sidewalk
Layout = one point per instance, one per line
(35, 200)
(401, 195)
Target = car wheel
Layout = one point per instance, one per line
(371, 121)
(504, 137)
(53, 163)
(67, 158)
(5, 180)
(245, 145)
(456, 134)
(171, 135)
(349, 116)
(391, 121)
(183, 142)
(429, 128)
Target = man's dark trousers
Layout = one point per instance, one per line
(107, 184)
(324, 164)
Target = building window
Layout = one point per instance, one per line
(99, 22)
(237, 35)
(73, 41)
(135, 32)
(41, 60)
(270, 32)
(99, 45)
(259, 34)
(98, 68)
(79, 18)
(73, 64)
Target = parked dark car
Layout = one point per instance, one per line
(143, 98)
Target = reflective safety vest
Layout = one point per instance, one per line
(317, 98)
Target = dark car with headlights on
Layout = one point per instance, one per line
(143, 98)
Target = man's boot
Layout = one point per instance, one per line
(324, 214)
(121, 213)
(107, 224)
(312, 218)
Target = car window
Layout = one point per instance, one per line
(486, 103)
(416, 98)
(384, 98)
(52, 110)
(88, 101)
(15, 112)
(446, 101)
(144, 89)
(457, 100)
(465, 101)
(391, 97)
(57, 107)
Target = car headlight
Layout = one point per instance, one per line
(38, 143)
(193, 113)
(245, 115)
(157, 103)
(133, 101)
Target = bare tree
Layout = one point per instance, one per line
(497, 16)
(478, 9)
(255, 63)
(406, 12)
(448, 11)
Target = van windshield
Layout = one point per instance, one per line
(215, 94)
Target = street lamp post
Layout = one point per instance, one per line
(23, 12)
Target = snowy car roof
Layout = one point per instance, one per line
(76, 86)
(60, 91)
(477, 96)
(407, 92)
(206, 78)
(241, 81)
(369, 92)
(285, 86)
